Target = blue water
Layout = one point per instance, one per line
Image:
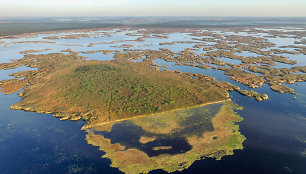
(39, 143)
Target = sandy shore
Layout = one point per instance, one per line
(140, 116)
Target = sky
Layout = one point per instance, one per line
(29, 8)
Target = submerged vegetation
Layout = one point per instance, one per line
(202, 132)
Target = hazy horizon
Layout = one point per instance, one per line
(134, 8)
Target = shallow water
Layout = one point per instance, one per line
(190, 122)
(39, 143)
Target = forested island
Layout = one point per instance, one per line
(99, 92)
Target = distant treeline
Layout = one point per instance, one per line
(7, 29)
(230, 22)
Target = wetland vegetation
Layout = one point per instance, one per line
(138, 108)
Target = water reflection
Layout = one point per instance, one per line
(39, 143)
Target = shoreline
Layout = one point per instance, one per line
(140, 116)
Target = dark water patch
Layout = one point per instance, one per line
(197, 121)
(128, 135)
